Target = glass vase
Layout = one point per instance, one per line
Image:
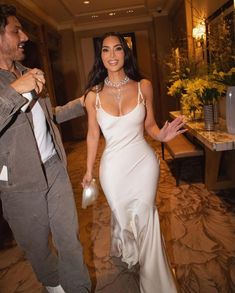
(209, 117)
(230, 109)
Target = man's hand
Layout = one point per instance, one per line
(32, 80)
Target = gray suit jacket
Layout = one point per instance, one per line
(18, 147)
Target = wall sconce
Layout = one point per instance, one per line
(199, 34)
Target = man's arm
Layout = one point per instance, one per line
(11, 99)
(10, 103)
(69, 111)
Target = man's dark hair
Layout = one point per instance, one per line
(5, 12)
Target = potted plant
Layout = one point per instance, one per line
(208, 92)
(203, 93)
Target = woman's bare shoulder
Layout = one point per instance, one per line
(146, 86)
(91, 94)
(90, 98)
(145, 83)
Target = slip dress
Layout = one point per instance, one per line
(129, 171)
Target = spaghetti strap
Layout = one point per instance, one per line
(140, 95)
(97, 99)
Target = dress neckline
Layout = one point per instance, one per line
(119, 116)
(140, 100)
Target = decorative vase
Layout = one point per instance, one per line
(208, 117)
(215, 112)
(230, 109)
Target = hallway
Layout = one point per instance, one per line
(198, 226)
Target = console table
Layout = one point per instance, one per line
(219, 147)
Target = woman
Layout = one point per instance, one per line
(119, 102)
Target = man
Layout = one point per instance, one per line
(5, 232)
(35, 190)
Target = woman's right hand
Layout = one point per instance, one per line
(86, 179)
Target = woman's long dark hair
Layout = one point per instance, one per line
(99, 72)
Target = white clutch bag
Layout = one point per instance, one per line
(89, 194)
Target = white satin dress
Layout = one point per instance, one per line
(129, 172)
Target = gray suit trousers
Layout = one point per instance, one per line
(32, 216)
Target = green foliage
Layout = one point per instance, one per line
(208, 95)
(226, 78)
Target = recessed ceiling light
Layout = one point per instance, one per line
(112, 13)
(95, 16)
(130, 11)
(86, 2)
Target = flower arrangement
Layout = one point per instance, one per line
(177, 88)
(196, 92)
(225, 78)
(205, 89)
(194, 86)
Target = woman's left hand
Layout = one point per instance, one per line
(171, 129)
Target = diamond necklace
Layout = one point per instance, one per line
(117, 85)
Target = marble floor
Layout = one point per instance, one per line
(198, 227)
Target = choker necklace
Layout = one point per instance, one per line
(117, 84)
